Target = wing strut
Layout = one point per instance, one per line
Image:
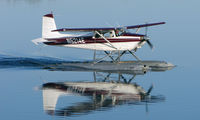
(106, 40)
(138, 29)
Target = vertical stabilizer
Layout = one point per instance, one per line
(50, 98)
(48, 24)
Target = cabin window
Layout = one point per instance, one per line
(107, 35)
(118, 32)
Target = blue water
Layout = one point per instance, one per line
(23, 65)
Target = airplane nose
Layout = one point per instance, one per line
(146, 38)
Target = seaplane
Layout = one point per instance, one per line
(110, 40)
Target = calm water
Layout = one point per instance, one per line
(28, 86)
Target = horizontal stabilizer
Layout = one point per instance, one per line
(38, 40)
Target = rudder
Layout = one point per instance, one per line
(48, 24)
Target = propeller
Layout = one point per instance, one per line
(150, 44)
(149, 90)
(146, 29)
(147, 95)
(146, 38)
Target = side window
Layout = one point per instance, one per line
(118, 32)
(107, 35)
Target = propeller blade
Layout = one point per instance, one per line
(149, 90)
(146, 38)
(150, 44)
(146, 29)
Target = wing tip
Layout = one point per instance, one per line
(163, 22)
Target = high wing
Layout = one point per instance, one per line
(84, 29)
(107, 29)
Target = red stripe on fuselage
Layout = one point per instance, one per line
(110, 40)
(88, 40)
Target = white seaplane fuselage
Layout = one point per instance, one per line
(85, 43)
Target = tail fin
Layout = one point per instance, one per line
(50, 98)
(48, 25)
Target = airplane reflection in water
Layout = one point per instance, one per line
(105, 93)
